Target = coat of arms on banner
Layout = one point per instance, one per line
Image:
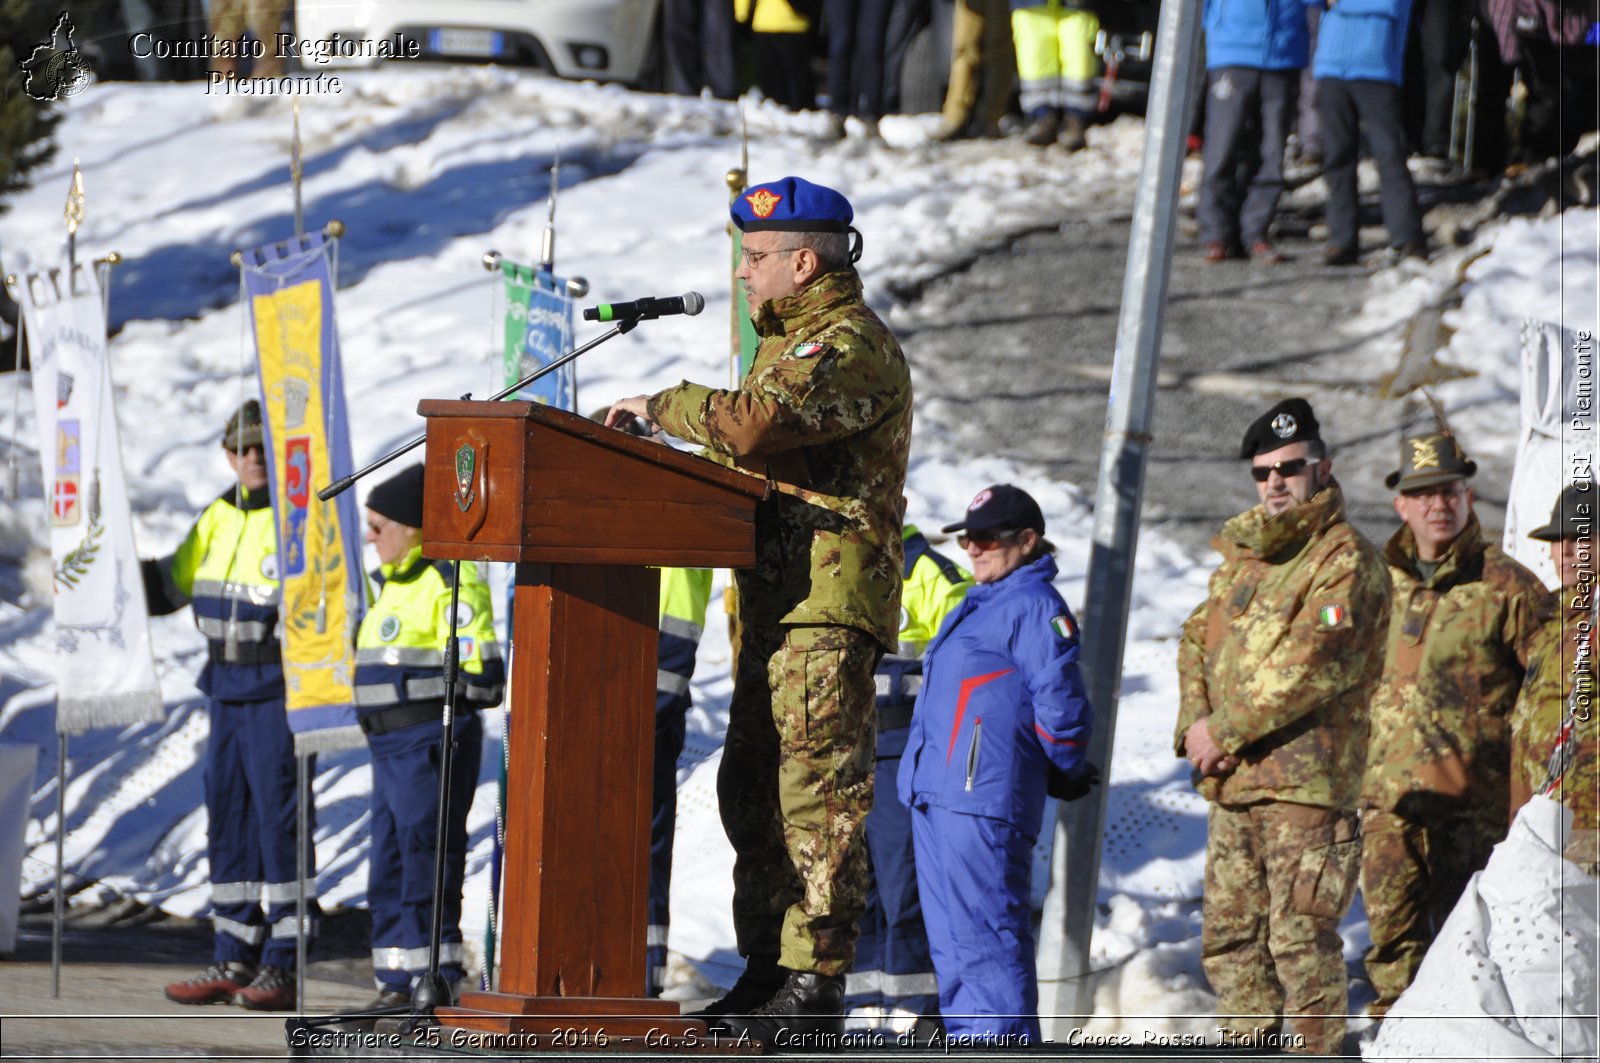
(66, 508)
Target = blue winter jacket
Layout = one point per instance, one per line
(1259, 34)
(1363, 40)
(1001, 701)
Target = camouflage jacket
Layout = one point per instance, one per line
(1555, 667)
(1283, 654)
(826, 408)
(1454, 661)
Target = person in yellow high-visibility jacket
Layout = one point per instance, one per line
(1056, 65)
(400, 692)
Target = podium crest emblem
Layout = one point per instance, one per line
(466, 465)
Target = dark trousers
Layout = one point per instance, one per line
(783, 69)
(857, 35)
(1349, 109)
(1310, 126)
(251, 801)
(1248, 115)
(405, 817)
(1438, 45)
(699, 47)
(894, 968)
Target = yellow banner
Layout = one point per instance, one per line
(318, 630)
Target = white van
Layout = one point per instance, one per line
(608, 40)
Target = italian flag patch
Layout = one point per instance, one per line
(1331, 615)
(1063, 626)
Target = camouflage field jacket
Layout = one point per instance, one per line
(825, 408)
(1559, 683)
(1456, 653)
(1283, 654)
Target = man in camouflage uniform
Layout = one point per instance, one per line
(1553, 732)
(1435, 797)
(1276, 667)
(826, 412)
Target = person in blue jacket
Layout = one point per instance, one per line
(1361, 48)
(1255, 52)
(1002, 717)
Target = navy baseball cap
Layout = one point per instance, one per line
(1000, 507)
(791, 204)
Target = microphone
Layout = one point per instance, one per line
(689, 303)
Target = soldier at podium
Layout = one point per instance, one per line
(826, 412)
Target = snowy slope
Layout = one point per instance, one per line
(431, 167)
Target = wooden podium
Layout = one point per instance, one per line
(581, 510)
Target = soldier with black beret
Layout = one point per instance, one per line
(1275, 667)
(1435, 797)
(825, 408)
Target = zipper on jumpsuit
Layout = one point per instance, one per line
(972, 751)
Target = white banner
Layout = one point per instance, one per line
(105, 673)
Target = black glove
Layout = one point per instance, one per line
(1065, 788)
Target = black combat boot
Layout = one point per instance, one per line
(761, 980)
(807, 1013)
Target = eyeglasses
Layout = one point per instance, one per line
(1449, 494)
(753, 258)
(379, 529)
(986, 541)
(1293, 467)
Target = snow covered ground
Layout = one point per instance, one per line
(429, 168)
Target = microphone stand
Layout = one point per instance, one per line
(432, 990)
(344, 483)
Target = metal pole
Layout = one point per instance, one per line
(302, 817)
(296, 171)
(58, 914)
(1122, 462)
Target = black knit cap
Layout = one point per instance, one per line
(400, 497)
(1290, 421)
(1573, 515)
(1000, 507)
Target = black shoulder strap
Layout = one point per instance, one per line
(918, 547)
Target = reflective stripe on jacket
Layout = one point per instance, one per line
(400, 648)
(227, 569)
(684, 594)
(1001, 702)
(934, 586)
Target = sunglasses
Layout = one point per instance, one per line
(1285, 469)
(986, 541)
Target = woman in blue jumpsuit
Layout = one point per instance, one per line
(1002, 707)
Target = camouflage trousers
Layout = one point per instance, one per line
(1279, 877)
(794, 790)
(1412, 875)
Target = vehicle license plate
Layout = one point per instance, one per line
(482, 43)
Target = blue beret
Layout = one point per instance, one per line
(791, 204)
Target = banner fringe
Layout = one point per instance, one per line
(329, 740)
(76, 715)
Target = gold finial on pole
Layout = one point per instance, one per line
(74, 213)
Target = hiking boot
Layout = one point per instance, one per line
(391, 998)
(272, 990)
(1264, 252)
(1219, 251)
(808, 1012)
(761, 980)
(834, 129)
(1340, 256)
(1073, 136)
(1043, 127)
(215, 985)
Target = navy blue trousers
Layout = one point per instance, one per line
(894, 968)
(251, 802)
(405, 816)
(975, 875)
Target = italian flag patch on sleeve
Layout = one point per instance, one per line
(1063, 626)
(1331, 615)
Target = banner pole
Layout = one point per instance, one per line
(302, 867)
(296, 168)
(58, 914)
